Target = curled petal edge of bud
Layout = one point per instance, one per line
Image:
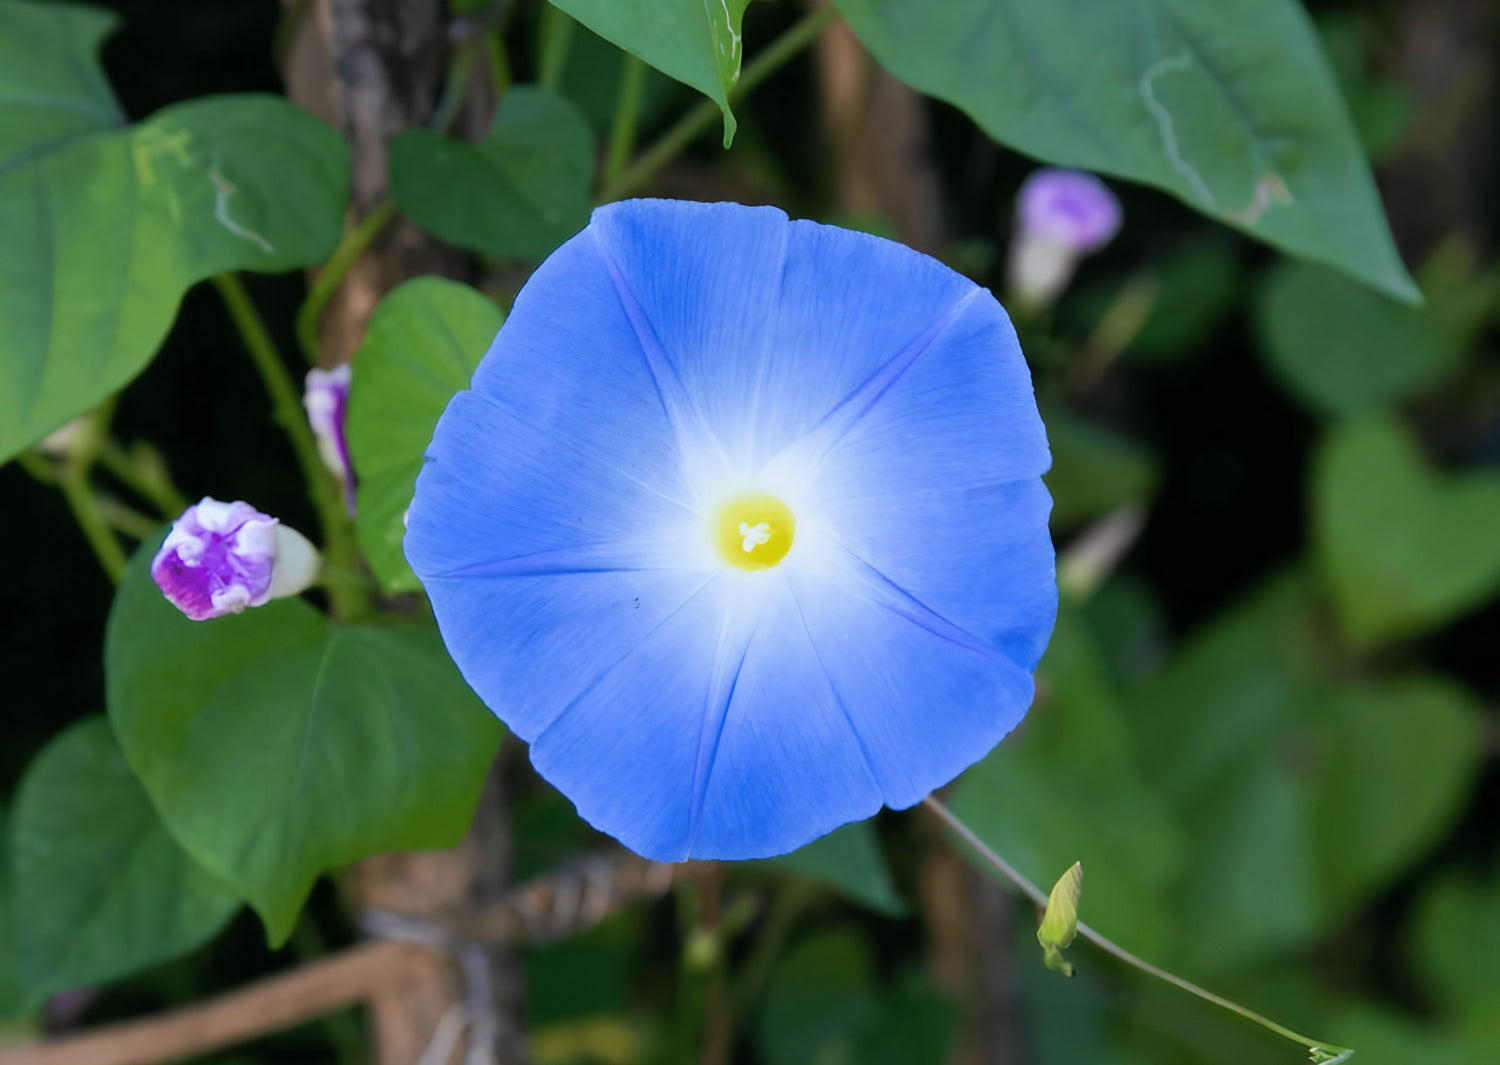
(223, 558)
(1059, 925)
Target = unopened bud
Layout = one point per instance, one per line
(221, 558)
(1061, 216)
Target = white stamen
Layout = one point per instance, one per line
(754, 535)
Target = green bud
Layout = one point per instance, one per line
(1060, 921)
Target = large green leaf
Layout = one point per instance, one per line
(1403, 549)
(278, 746)
(1066, 788)
(849, 859)
(698, 42)
(99, 890)
(1228, 105)
(422, 345)
(521, 191)
(1342, 349)
(50, 86)
(105, 227)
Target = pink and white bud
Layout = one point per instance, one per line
(1061, 216)
(325, 397)
(221, 558)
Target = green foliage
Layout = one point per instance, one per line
(823, 1007)
(521, 191)
(1397, 760)
(421, 347)
(1094, 469)
(1066, 788)
(591, 75)
(11, 999)
(1229, 106)
(1302, 795)
(1197, 285)
(1456, 943)
(696, 42)
(1402, 547)
(1343, 350)
(277, 746)
(850, 860)
(98, 888)
(109, 225)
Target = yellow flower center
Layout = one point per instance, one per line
(754, 531)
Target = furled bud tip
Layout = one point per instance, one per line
(1061, 216)
(325, 396)
(220, 558)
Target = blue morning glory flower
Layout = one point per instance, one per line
(741, 526)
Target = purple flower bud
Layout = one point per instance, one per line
(220, 558)
(325, 396)
(1061, 215)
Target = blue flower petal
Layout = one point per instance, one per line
(669, 353)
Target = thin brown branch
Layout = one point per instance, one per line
(278, 1002)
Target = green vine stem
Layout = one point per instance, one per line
(333, 273)
(776, 55)
(1322, 1053)
(339, 549)
(142, 471)
(556, 40)
(75, 488)
(627, 117)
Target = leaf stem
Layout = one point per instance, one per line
(500, 74)
(627, 117)
(333, 273)
(702, 117)
(555, 39)
(455, 88)
(144, 474)
(1322, 1052)
(75, 488)
(327, 494)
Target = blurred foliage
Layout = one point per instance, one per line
(521, 191)
(1278, 774)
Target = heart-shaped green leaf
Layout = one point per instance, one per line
(278, 746)
(99, 890)
(1228, 105)
(1397, 761)
(698, 42)
(106, 226)
(521, 191)
(421, 347)
(1403, 549)
(1343, 349)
